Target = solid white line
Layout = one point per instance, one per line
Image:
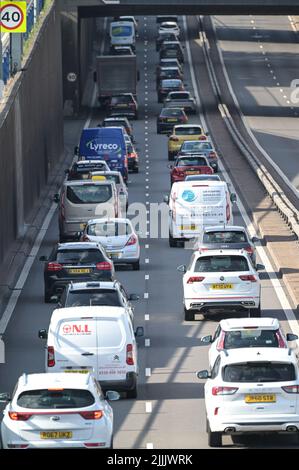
(147, 342)
(146, 317)
(148, 372)
(146, 277)
(146, 247)
(149, 445)
(277, 287)
(146, 260)
(148, 406)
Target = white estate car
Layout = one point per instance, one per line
(234, 333)
(57, 411)
(252, 390)
(170, 27)
(220, 280)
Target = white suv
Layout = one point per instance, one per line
(220, 280)
(234, 333)
(251, 391)
(57, 411)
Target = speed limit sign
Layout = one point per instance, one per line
(13, 17)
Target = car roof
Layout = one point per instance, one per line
(169, 110)
(241, 355)
(221, 252)
(86, 182)
(45, 380)
(183, 92)
(237, 323)
(171, 42)
(172, 23)
(88, 162)
(88, 312)
(106, 172)
(72, 286)
(170, 68)
(225, 228)
(171, 80)
(188, 126)
(109, 219)
(77, 245)
(117, 118)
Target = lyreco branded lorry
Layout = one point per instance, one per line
(194, 205)
(105, 143)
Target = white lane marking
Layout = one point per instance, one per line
(147, 195)
(146, 277)
(148, 372)
(145, 295)
(146, 246)
(146, 187)
(149, 445)
(146, 260)
(147, 222)
(147, 202)
(147, 342)
(278, 84)
(292, 24)
(146, 317)
(146, 179)
(277, 287)
(274, 77)
(148, 406)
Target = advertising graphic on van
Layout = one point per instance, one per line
(188, 195)
(99, 146)
(74, 329)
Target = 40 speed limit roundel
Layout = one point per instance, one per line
(13, 17)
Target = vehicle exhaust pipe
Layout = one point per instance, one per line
(292, 429)
(229, 430)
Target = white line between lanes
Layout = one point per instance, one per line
(147, 342)
(148, 372)
(277, 287)
(149, 445)
(148, 406)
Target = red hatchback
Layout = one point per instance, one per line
(189, 165)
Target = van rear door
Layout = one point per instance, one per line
(112, 350)
(75, 347)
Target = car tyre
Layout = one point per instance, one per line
(172, 241)
(255, 312)
(136, 266)
(132, 393)
(189, 314)
(170, 156)
(214, 438)
(111, 443)
(136, 116)
(47, 296)
(136, 169)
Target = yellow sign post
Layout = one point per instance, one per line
(13, 18)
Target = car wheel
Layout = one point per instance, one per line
(255, 312)
(172, 241)
(136, 169)
(214, 438)
(215, 169)
(136, 266)
(170, 156)
(132, 393)
(111, 443)
(189, 314)
(47, 296)
(136, 116)
(62, 238)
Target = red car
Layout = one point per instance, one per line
(189, 165)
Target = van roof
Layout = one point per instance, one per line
(87, 182)
(87, 312)
(195, 184)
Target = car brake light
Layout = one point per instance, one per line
(51, 356)
(224, 390)
(22, 416)
(195, 279)
(85, 238)
(104, 266)
(204, 249)
(97, 414)
(132, 240)
(249, 249)
(174, 139)
(248, 277)
(220, 345)
(54, 267)
(130, 358)
(281, 343)
(202, 137)
(291, 388)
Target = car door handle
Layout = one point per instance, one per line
(87, 354)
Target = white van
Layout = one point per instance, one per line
(95, 339)
(122, 33)
(196, 204)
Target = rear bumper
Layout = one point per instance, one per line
(121, 385)
(243, 424)
(122, 112)
(166, 126)
(233, 304)
(132, 164)
(57, 285)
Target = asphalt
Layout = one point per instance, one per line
(169, 411)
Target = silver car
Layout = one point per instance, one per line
(121, 187)
(118, 237)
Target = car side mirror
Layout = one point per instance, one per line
(43, 258)
(182, 268)
(166, 198)
(56, 198)
(260, 267)
(255, 239)
(291, 337)
(170, 166)
(233, 197)
(42, 334)
(76, 150)
(5, 397)
(54, 299)
(203, 374)
(66, 171)
(111, 395)
(139, 332)
(206, 339)
(134, 297)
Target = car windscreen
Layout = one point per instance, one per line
(259, 372)
(195, 146)
(122, 99)
(171, 112)
(122, 30)
(87, 256)
(225, 237)
(198, 161)
(171, 83)
(251, 338)
(55, 399)
(182, 96)
(187, 130)
(89, 193)
(224, 263)
(108, 229)
(90, 297)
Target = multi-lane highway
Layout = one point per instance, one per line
(169, 411)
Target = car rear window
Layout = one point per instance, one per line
(121, 99)
(90, 297)
(187, 130)
(195, 146)
(198, 161)
(109, 229)
(74, 256)
(171, 83)
(110, 333)
(223, 263)
(182, 96)
(225, 237)
(251, 338)
(89, 193)
(259, 372)
(171, 112)
(55, 399)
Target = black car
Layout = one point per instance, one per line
(175, 48)
(82, 262)
(165, 36)
(170, 117)
(81, 169)
(168, 72)
(118, 121)
(123, 105)
(167, 85)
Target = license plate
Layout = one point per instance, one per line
(222, 286)
(171, 120)
(79, 271)
(74, 371)
(194, 172)
(56, 435)
(121, 106)
(187, 227)
(113, 255)
(82, 226)
(267, 398)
